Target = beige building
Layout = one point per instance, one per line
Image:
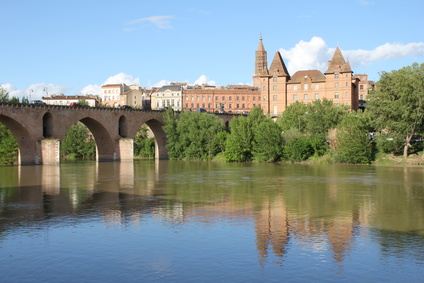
(168, 96)
(117, 95)
(279, 89)
(65, 100)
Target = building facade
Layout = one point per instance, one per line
(117, 95)
(230, 99)
(168, 96)
(61, 99)
(279, 89)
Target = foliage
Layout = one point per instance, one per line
(268, 141)
(299, 149)
(143, 145)
(353, 143)
(389, 143)
(193, 134)
(293, 117)
(78, 141)
(397, 103)
(323, 115)
(4, 95)
(8, 146)
(83, 102)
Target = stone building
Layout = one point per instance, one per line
(168, 96)
(279, 89)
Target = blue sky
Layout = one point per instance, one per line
(74, 47)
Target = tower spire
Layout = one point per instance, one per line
(261, 59)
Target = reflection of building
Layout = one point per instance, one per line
(280, 89)
(272, 230)
(116, 95)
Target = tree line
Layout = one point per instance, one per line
(320, 131)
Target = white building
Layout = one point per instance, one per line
(166, 96)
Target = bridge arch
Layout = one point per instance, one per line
(106, 149)
(28, 149)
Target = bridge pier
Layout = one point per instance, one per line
(50, 151)
(126, 149)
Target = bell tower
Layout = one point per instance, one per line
(261, 76)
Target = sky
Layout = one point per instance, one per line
(74, 47)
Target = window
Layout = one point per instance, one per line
(336, 95)
(230, 105)
(305, 86)
(186, 105)
(238, 98)
(294, 97)
(237, 106)
(295, 87)
(186, 98)
(242, 106)
(336, 85)
(316, 96)
(336, 76)
(361, 87)
(242, 98)
(254, 98)
(223, 98)
(198, 98)
(274, 88)
(316, 86)
(361, 97)
(230, 98)
(274, 98)
(347, 84)
(274, 79)
(347, 94)
(305, 97)
(216, 98)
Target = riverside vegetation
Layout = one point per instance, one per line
(320, 131)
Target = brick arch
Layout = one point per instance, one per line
(28, 149)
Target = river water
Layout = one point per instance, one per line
(181, 221)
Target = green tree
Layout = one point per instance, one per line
(78, 142)
(170, 128)
(323, 115)
(8, 146)
(83, 102)
(143, 145)
(268, 141)
(293, 117)
(397, 103)
(353, 143)
(239, 143)
(4, 95)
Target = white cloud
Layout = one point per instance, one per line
(162, 22)
(91, 89)
(122, 78)
(161, 83)
(314, 54)
(204, 80)
(35, 91)
(384, 52)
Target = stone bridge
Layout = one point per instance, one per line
(39, 130)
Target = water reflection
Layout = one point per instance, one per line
(317, 209)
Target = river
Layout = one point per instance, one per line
(192, 221)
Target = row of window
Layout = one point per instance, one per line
(218, 105)
(316, 96)
(172, 94)
(167, 103)
(230, 98)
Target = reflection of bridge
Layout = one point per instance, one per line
(38, 130)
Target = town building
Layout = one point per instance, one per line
(168, 96)
(117, 95)
(64, 100)
(279, 89)
(230, 99)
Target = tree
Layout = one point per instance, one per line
(78, 142)
(8, 146)
(323, 115)
(143, 145)
(293, 117)
(268, 141)
(397, 103)
(239, 142)
(83, 102)
(170, 128)
(353, 145)
(4, 95)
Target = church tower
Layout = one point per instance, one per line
(340, 86)
(261, 77)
